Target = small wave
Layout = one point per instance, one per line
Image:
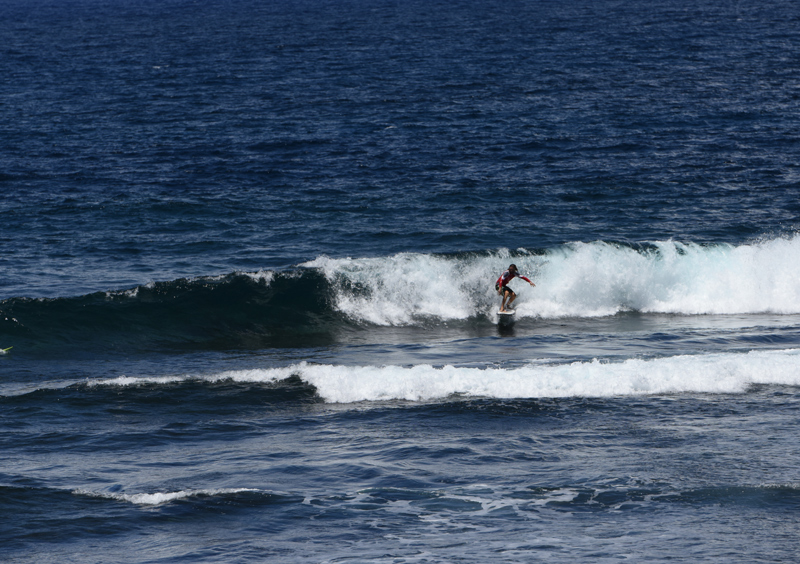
(159, 498)
(722, 373)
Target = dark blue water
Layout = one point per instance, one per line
(247, 257)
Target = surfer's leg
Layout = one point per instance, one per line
(512, 296)
(507, 293)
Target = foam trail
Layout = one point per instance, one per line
(574, 280)
(712, 373)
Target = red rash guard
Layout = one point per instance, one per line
(507, 277)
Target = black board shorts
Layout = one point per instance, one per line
(503, 288)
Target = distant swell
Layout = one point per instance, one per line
(320, 298)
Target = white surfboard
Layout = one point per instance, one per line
(507, 313)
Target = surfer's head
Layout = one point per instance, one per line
(512, 267)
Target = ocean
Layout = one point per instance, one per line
(248, 251)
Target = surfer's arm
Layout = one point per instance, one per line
(528, 281)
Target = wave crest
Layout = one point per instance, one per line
(574, 280)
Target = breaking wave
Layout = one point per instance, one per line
(320, 298)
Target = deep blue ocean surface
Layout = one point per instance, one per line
(247, 262)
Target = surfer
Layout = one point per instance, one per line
(502, 286)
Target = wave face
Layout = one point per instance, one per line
(324, 296)
(237, 310)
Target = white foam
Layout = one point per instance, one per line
(713, 373)
(587, 279)
(135, 380)
(399, 289)
(262, 276)
(130, 293)
(575, 280)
